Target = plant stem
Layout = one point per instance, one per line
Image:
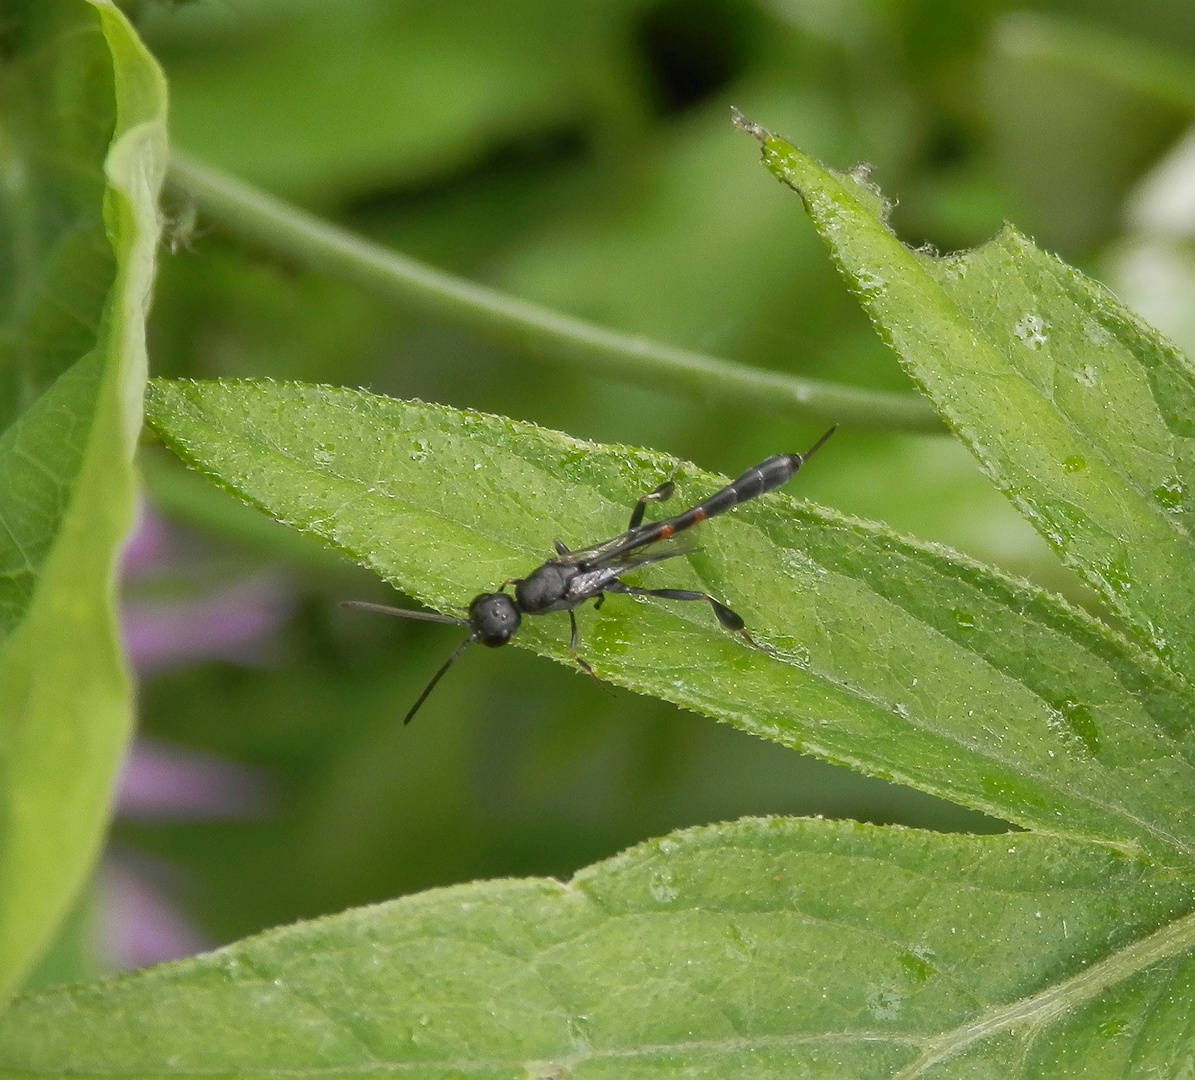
(520, 325)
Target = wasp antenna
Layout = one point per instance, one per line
(818, 445)
(438, 676)
(403, 613)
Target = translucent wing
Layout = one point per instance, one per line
(627, 551)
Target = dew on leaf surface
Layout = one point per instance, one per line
(1032, 329)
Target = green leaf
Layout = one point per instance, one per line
(461, 79)
(84, 118)
(1081, 413)
(898, 659)
(766, 948)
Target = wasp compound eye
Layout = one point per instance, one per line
(494, 618)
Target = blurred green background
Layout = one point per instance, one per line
(579, 153)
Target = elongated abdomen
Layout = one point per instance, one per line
(764, 477)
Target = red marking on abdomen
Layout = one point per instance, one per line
(698, 515)
(666, 531)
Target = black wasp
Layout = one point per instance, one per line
(567, 581)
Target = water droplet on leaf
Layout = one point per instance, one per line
(1170, 493)
(1033, 330)
(964, 620)
(661, 888)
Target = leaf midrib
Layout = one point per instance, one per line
(1038, 1009)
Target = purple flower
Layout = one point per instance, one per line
(138, 922)
(234, 623)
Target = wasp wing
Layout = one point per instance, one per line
(628, 552)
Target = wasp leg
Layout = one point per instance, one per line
(664, 491)
(572, 647)
(731, 620)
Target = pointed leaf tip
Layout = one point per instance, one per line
(749, 126)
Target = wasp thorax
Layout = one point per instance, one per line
(494, 618)
(545, 587)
